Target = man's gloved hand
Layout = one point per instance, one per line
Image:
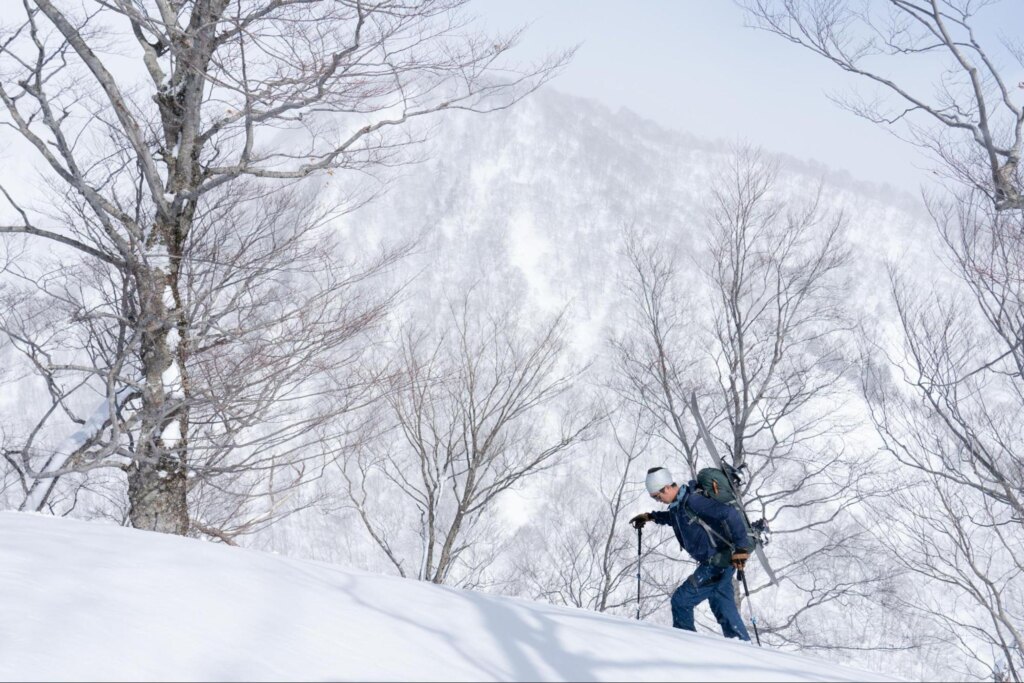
(739, 559)
(641, 519)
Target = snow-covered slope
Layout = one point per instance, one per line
(89, 601)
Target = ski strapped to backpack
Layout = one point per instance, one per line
(724, 483)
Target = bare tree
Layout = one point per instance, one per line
(221, 95)
(574, 552)
(775, 270)
(476, 414)
(972, 118)
(950, 417)
(761, 345)
(657, 369)
(278, 322)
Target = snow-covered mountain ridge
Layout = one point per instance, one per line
(535, 201)
(93, 601)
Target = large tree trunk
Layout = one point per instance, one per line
(157, 479)
(157, 494)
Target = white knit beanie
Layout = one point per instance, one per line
(657, 479)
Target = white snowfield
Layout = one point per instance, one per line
(89, 601)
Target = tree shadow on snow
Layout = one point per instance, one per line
(530, 638)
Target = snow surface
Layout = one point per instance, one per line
(92, 601)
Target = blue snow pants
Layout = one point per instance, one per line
(714, 585)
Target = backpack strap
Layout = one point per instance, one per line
(712, 534)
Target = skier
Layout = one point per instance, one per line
(714, 535)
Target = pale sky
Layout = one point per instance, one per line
(692, 65)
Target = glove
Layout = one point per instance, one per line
(739, 559)
(641, 519)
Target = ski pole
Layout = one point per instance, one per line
(639, 556)
(746, 591)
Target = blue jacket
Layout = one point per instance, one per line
(723, 519)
